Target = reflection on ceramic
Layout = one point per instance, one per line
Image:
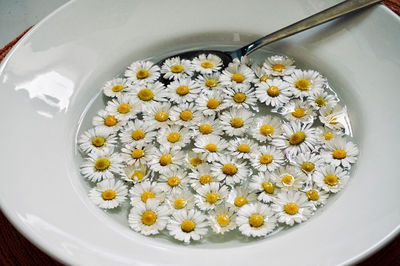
(49, 78)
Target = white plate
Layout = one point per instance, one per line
(48, 79)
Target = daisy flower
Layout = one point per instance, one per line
(145, 95)
(158, 115)
(187, 225)
(331, 178)
(193, 160)
(145, 190)
(210, 103)
(267, 158)
(180, 199)
(296, 138)
(148, 218)
(164, 159)
(242, 148)
(108, 194)
(278, 65)
(176, 68)
(95, 139)
(273, 92)
(174, 136)
(135, 174)
(236, 122)
(240, 196)
(136, 154)
(316, 196)
(122, 107)
(209, 82)
(103, 164)
(237, 74)
(142, 72)
(297, 110)
(322, 99)
(256, 219)
(222, 218)
(116, 87)
(201, 176)
(230, 170)
(137, 132)
(305, 83)
(240, 97)
(340, 152)
(261, 74)
(185, 114)
(292, 207)
(183, 91)
(308, 162)
(264, 184)
(207, 64)
(289, 178)
(325, 134)
(211, 147)
(207, 126)
(210, 195)
(172, 180)
(266, 128)
(105, 120)
(334, 117)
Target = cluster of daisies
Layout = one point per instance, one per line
(194, 147)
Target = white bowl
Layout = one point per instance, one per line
(51, 75)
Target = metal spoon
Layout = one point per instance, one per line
(326, 15)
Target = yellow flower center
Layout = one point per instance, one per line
(339, 154)
(266, 129)
(109, 194)
(137, 176)
(268, 187)
(229, 169)
(110, 121)
(177, 68)
(240, 201)
(98, 141)
(312, 195)
(266, 159)
(239, 97)
(328, 135)
(278, 67)
(243, 148)
(186, 115)
(332, 119)
(195, 161)
(237, 122)
(308, 166)
(302, 84)
(264, 78)
(161, 116)
(207, 64)
(145, 94)
(124, 108)
(179, 203)
(320, 101)
(205, 179)
(149, 218)
(287, 179)
(174, 181)
(182, 90)
(299, 112)
(211, 83)
(223, 220)
(165, 159)
(102, 164)
(117, 88)
(256, 220)
(173, 137)
(212, 197)
(212, 103)
(137, 153)
(147, 195)
(297, 138)
(291, 208)
(211, 147)
(237, 77)
(205, 129)
(331, 180)
(273, 91)
(138, 134)
(142, 74)
(188, 226)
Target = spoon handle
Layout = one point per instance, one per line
(307, 23)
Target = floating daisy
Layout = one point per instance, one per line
(187, 225)
(297, 110)
(266, 128)
(278, 65)
(292, 207)
(261, 75)
(142, 72)
(201, 176)
(264, 184)
(165, 159)
(135, 174)
(145, 190)
(176, 68)
(325, 134)
(145, 95)
(148, 218)
(236, 122)
(267, 158)
(211, 147)
(95, 139)
(137, 132)
(340, 152)
(308, 162)
(322, 99)
(273, 92)
(108, 194)
(173, 179)
(256, 219)
(237, 74)
(193, 160)
(316, 196)
(207, 126)
(331, 178)
(183, 91)
(230, 170)
(158, 115)
(103, 164)
(242, 148)
(136, 154)
(185, 114)
(334, 117)
(180, 199)
(222, 218)
(174, 136)
(207, 64)
(105, 120)
(240, 97)
(209, 103)
(122, 107)
(289, 178)
(304, 83)
(116, 87)
(210, 195)
(209, 82)
(240, 196)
